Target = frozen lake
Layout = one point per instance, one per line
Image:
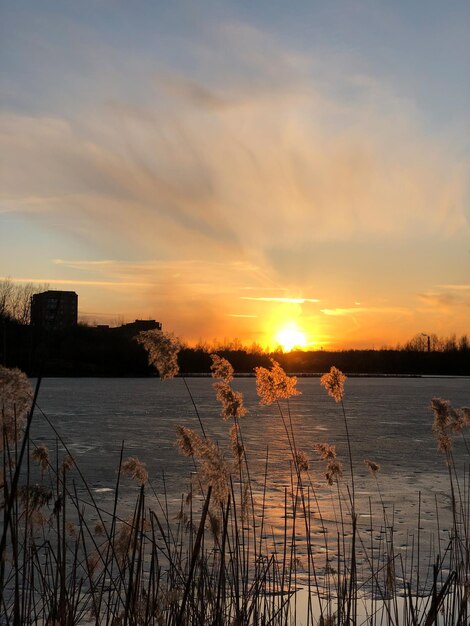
(389, 420)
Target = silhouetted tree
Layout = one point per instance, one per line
(464, 344)
(15, 300)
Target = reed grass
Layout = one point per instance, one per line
(65, 560)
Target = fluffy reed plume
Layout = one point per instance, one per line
(188, 442)
(221, 368)
(373, 466)
(231, 400)
(36, 519)
(67, 463)
(447, 420)
(135, 469)
(15, 402)
(334, 467)
(35, 496)
(162, 349)
(122, 543)
(40, 455)
(71, 530)
(325, 450)
(213, 469)
(462, 418)
(92, 563)
(334, 383)
(443, 414)
(301, 461)
(274, 384)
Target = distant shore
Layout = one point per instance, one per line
(85, 351)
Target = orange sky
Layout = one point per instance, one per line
(230, 172)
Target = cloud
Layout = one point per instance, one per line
(84, 264)
(280, 299)
(461, 287)
(77, 281)
(212, 166)
(448, 298)
(199, 273)
(362, 310)
(341, 312)
(191, 93)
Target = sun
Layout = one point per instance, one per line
(290, 337)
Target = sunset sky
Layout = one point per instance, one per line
(233, 168)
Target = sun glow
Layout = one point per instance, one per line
(290, 337)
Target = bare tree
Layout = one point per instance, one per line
(464, 343)
(6, 294)
(418, 343)
(15, 299)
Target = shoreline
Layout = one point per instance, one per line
(252, 375)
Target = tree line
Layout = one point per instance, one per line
(93, 351)
(432, 343)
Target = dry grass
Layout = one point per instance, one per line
(66, 561)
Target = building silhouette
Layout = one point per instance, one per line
(54, 310)
(140, 325)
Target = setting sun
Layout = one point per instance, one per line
(291, 337)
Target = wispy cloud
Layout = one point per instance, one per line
(450, 297)
(362, 310)
(346, 311)
(234, 180)
(202, 277)
(439, 300)
(458, 287)
(447, 297)
(280, 299)
(86, 265)
(154, 265)
(77, 281)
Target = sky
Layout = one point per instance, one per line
(234, 169)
